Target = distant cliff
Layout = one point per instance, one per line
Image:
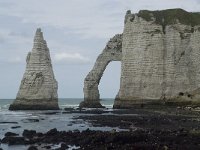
(160, 58)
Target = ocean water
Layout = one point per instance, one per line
(63, 102)
(17, 121)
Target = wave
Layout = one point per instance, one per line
(4, 107)
(69, 105)
(108, 106)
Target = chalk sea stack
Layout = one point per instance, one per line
(160, 60)
(38, 89)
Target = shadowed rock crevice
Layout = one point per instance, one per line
(38, 89)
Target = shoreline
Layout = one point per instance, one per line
(145, 128)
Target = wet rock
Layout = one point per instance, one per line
(30, 120)
(165, 147)
(63, 146)
(32, 148)
(11, 134)
(52, 132)
(51, 113)
(8, 122)
(39, 134)
(29, 133)
(95, 111)
(11, 140)
(154, 131)
(69, 109)
(85, 141)
(47, 147)
(15, 127)
(139, 139)
(76, 131)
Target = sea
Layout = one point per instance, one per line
(43, 121)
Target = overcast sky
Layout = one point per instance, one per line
(76, 31)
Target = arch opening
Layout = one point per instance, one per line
(109, 84)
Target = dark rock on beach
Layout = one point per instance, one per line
(63, 146)
(8, 122)
(139, 139)
(29, 133)
(47, 147)
(15, 127)
(148, 118)
(52, 113)
(84, 111)
(11, 134)
(69, 109)
(32, 148)
(145, 129)
(30, 120)
(12, 140)
(52, 132)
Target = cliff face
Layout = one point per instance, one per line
(160, 58)
(38, 89)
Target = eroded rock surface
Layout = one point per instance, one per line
(38, 89)
(112, 52)
(160, 58)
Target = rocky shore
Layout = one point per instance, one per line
(149, 128)
(139, 139)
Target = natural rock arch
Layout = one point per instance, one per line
(160, 60)
(112, 52)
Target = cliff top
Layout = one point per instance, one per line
(170, 16)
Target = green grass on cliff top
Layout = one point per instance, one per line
(169, 16)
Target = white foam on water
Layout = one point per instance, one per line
(70, 105)
(108, 106)
(4, 107)
(13, 113)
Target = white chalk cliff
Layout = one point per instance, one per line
(160, 59)
(112, 52)
(38, 89)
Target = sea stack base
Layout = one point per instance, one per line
(34, 105)
(129, 104)
(90, 104)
